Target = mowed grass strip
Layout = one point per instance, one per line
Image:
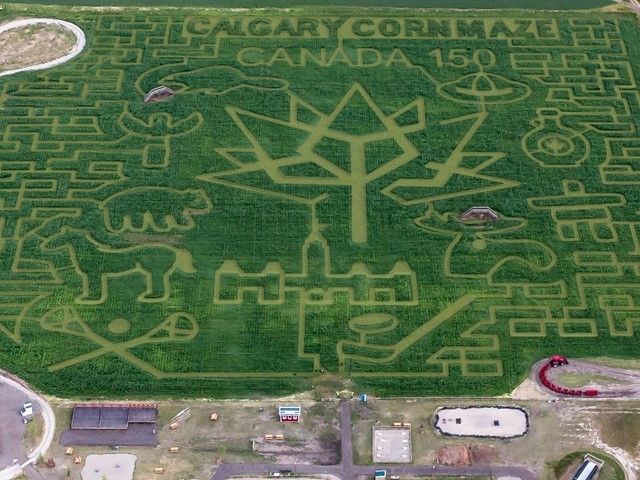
(471, 4)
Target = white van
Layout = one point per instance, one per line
(27, 410)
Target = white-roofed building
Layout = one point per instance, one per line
(588, 469)
(290, 413)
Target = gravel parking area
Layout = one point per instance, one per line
(391, 445)
(118, 466)
(496, 422)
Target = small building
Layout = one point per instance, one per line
(111, 416)
(105, 424)
(289, 413)
(159, 94)
(480, 214)
(588, 469)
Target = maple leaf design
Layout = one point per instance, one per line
(335, 150)
(355, 122)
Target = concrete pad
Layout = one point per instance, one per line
(391, 445)
(495, 422)
(118, 466)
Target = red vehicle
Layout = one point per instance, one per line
(558, 361)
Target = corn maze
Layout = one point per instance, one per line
(426, 204)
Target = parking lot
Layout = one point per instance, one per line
(12, 427)
(392, 445)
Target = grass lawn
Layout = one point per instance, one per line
(474, 4)
(33, 433)
(621, 430)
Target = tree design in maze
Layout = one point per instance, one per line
(422, 204)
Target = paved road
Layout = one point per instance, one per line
(346, 470)
(13, 458)
(346, 441)
(11, 425)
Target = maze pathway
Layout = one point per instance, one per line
(420, 203)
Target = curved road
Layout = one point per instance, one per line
(13, 459)
(346, 470)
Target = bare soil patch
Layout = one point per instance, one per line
(465, 455)
(456, 455)
(141, 238)
(33, 45)
(483, 454)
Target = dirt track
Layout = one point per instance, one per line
(624, 383)
(75, 50)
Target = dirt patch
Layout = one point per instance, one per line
(529, 390)
(291, 453)
(455, 455)
(141, 238)
(33, 45)
(481, 421)
(464, 455)
(625, 363)
(483, 454)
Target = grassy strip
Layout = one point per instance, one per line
(621, 430)
(33, 433)
(474, 4)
